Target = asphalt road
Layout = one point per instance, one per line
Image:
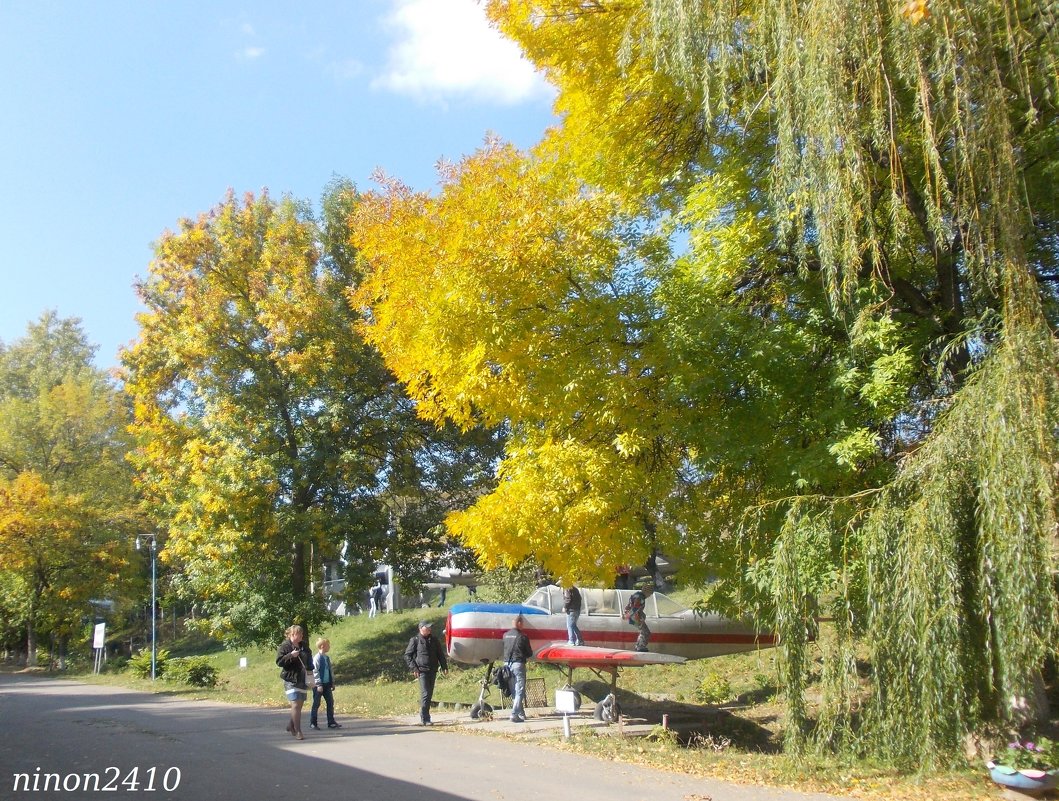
(150, 746)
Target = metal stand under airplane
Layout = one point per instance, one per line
(608, 710)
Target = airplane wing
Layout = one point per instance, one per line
(591, 656)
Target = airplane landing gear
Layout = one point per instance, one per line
(481, 710)
(608, 710)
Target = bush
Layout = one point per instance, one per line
(140, 664)
(195, 671)
(120, 663)
(714, 689)
(764, 690)
(661, 735)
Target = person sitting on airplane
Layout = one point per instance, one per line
(636, 613)
(517, 650)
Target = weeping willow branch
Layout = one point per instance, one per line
(962, 607)
(899, 130)
(949, 571)
(803, 554)
(880, 110)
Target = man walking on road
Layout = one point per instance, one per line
(424, 656)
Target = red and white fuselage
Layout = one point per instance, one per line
(474, 631)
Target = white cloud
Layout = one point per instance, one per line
(446, 48)
(251, 53)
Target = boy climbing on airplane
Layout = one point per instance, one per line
(636, 613)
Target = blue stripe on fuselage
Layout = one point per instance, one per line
(497, 609)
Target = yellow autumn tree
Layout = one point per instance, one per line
(61, 551)
(68, 513)
(649, 399)
(507, 298)
(271, 438)
(856, 348)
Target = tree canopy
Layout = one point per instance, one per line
(67, 509)
(270, 436)
(777, 297)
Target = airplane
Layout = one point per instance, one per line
(474, 634)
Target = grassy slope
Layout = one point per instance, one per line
(743, 733)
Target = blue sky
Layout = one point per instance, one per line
(118, 119)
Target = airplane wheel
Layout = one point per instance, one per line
(608, 710)
(482, 711)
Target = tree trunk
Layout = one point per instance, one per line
(298, 572)
(1034, 708)
(31, 642)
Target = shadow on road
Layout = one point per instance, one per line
(64, 734)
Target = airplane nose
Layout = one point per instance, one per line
(448, 632)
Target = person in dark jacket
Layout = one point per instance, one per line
(572, 607)
(296, 665)
(375, 595)
(424, 656)
(636, 612)
(517, 650)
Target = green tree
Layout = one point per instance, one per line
(271, 437)
(67, 510)
(915, 149)
(844, 389)
(910, 163)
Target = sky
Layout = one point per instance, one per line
(117, 119)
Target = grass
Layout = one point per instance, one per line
(735, 695)
(370, 675)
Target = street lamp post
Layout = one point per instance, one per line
(154, 603)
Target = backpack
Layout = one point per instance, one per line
(503, 679)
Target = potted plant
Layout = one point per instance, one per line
(1027, 767)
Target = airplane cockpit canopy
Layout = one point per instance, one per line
(599, 602)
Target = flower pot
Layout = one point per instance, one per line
(1029, 783)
